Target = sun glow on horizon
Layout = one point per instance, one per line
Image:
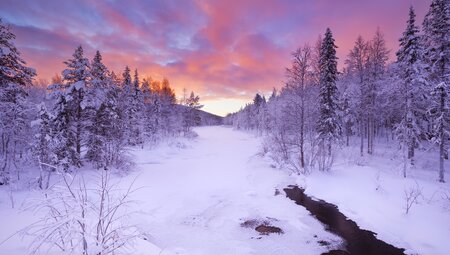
(223, 106)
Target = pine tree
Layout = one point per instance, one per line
(436, 40)
(168, 115)
(99, 113)
(126, 105)
(137, 106)
(192, 115)
(99, 82)
(76, 77)
(440, 111)
(14, 76)
(62, 131)
(408, 59)
(149, 128)
(328, 125)
(43, 145)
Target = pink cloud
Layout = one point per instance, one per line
(219, 48)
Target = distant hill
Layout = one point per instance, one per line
(206, 118)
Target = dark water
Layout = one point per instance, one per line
(358, 241)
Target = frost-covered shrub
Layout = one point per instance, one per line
(79, 219)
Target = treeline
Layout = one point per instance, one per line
(319, 108)
(88, 114)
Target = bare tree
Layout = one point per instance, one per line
(300, 74)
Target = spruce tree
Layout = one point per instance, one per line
(98, 112)
(63, 133)
(436, 40)
(76, 77)
(328, 125)
(43, 145)
(192, 115)
(410, 66)
(14, 76)
(137, 104)
(146, 113)
(125, 104)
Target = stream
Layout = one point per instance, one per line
(357, 241)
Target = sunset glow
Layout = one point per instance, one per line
(225, 51)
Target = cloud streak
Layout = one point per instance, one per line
(219, 48)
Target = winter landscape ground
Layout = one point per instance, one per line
(194, 194)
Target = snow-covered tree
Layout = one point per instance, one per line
(63, 133)
(137, 105)
(170, 120)
(300, 75)
(328, 124)
(440, 111)
(356, 67)
(131, 107)
(376, 66)
(191, 114)
(148, 111)
(411, 75)
(43, 145)
(75, 77)
(14, 76)
(105, 135)
(436, 42)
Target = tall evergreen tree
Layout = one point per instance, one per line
(125, 104)
(43, 145)
(436, 40)
(99, 112)
(137, 106)
(14, 76)
(408, 59)
(62, 131)
(328, 124)
(132, 106)
(168, 115)
(149, 128)
(76, 77)
(191, 114)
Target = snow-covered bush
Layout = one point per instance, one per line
(411, 196)
(80, 219)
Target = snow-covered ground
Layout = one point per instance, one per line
(193, 196)
(371, 191)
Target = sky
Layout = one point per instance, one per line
(223, 50)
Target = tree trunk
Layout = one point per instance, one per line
(361, 130)
(368, 136)
(347, 142)
(443, 138)
(78, 130)
(302, 128)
